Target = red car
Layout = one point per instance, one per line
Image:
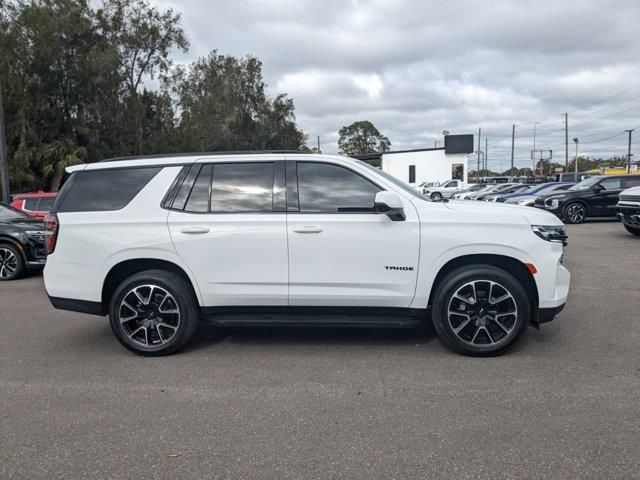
(37, 204)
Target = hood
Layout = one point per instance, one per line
(488, 212)
(631, 191)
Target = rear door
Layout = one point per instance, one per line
(341, 251)
(227, 222)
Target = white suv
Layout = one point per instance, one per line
(160, 243)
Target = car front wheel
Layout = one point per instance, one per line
(11, 262)
(480, 310)
(575, 213)
(154, 313)
(634, 230)
(436, 197)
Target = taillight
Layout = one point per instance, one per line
(51, 227)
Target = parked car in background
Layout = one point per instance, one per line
(155, 244)
(628, 209)
(446, 190)
(492, 188)
(21, 243)
(528, 197)
(35, 204)
(476, 187)
(594, 197)
(570, 177)
(493, 197)
(426, 185)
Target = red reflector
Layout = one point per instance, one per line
(532, 268)
(50, 232)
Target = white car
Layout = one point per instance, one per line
(628, 209)
(470, 190)
(446, 190)
(426, 185)
(161, 243)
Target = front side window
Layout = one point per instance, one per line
(327, 188)
(611, 183)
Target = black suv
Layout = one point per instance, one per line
(21, 243)
(594, 197)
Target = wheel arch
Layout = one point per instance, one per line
(581, 202)
(124, 269)
(509, 264)
(16, 243)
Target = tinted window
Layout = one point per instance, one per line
(199, 198)
(242, 187)
(611, 183)
(102, 190)
(329, 188)
(631, 182)
(31, 204)
(46, 204)
(412, 174)
(185, 189)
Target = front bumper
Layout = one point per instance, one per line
(629, 215)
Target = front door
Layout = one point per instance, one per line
(604, 202)
(341, 252)
(228, 224)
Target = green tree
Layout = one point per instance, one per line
(362, 137)
(224, 106)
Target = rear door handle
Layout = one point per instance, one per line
(195, 230)
(307, 229)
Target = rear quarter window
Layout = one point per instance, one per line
(104, 190)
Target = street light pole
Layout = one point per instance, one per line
(576, 140)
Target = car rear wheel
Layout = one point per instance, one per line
(11, 262)
(575, 213)
(480, 310)
(154, 313)
(634, 230)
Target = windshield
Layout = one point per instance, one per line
(8, 213)
(585, 184)
(394, 180)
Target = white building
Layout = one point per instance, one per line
(426, 164)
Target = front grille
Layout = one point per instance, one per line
(630, 198)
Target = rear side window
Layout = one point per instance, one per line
(46, 204)
(227, 188)
(631, 182)
(104, 190)
(327, 188)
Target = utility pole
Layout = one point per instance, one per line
(486, 153)
(4, 162)
(533, 153)
(577, 141)
(513, 139)
(629, 151)
(566, 141)
(478, 151)
(318, 143)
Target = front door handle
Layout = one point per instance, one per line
(195, 230)
(307, 229)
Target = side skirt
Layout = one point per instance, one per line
(368, 317)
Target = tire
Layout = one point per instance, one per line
(163, 309)
(574, 213)
(11, 262)
(492, 328)
(436, 196)
(634, 230)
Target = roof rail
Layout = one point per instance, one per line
(197, 154)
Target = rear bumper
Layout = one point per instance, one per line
(547, 314)
(81, 306)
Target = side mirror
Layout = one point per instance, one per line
(598, 188)
(391, 205)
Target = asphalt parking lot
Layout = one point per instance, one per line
(306, 403)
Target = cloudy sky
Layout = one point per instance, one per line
(416, 68)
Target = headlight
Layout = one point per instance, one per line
(524, 202)
(551, 233)
(552, 203)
